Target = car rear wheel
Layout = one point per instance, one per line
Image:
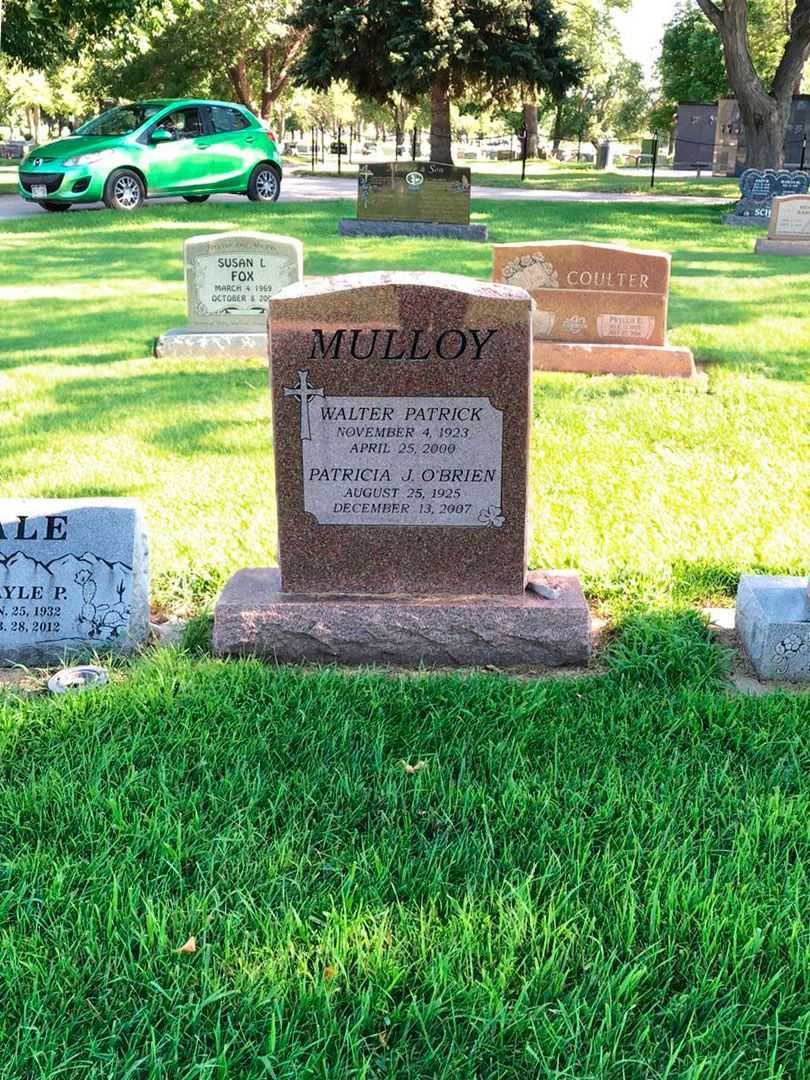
(196, 198)
(124, 190)
(264, 184)
(55, 207)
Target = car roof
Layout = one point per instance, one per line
(162, 102)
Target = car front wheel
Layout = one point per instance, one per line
(124, 190)
(54, 207)
(264, 184)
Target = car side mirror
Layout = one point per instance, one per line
(160, 135)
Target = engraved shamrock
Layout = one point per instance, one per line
(493, 517)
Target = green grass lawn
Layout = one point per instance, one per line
(565, 177)
(656, 491)
(600, 878)
(8, 178)
(604, 879)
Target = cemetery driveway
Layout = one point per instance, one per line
(301, 189)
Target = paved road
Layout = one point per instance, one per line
(302, 189)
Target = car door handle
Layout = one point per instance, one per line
(202, 145)
(249, 138)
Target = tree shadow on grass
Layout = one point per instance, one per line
(97, 406)
(193, 437)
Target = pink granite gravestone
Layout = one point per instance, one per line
(401, 413)
(599, 308)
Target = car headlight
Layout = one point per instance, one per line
(88, 159)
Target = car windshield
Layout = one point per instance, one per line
(119, 121)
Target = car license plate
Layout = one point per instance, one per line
(39, 191)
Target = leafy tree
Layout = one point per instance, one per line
(439, 47)
(763, 92)
(611, 99)
(41, 33)
(223, 48)
(691, 65)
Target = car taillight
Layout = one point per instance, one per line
(270, 135)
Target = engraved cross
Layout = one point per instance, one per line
(303, 393)
(366, 173)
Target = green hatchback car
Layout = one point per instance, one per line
(153, 148)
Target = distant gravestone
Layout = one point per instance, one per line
(73, 579)
(230, 278)
(401, 413)
(759, 188)
(598, 307)
(416, 198)
(789, 227)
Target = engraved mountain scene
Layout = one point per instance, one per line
(66, 598)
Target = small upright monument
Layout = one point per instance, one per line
(401, 411)
(413, 198)
(758, 190)
(788, 228)
(599, 308)
(230, 278)
(73, 579)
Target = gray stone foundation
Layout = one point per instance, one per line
(355, 227)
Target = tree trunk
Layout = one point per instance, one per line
(765, 125)
(440, 120)
(764, 112)
(530, 120)
(557, 136)
(237, 74)
(277, 61)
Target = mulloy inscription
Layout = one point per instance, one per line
(395, 406)
(73, 578)
(230, 277)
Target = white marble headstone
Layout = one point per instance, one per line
(231, 276)
(73, 579)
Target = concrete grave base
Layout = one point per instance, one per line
(773, 623)
(740, 219)
(670, 361)
(764, 246)
(237, 344)
(355, 227)
(254, 618)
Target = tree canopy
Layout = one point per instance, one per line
(444, 48)
(763, 84)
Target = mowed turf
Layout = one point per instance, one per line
(579, 879)
(657, 491)
(602, 879)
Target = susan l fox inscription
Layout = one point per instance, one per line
(73, 579)
(400, 410)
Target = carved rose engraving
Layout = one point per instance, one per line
(531, 272)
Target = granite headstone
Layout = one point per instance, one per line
(73, 579)
(598, 307)
(230, 278)
(773, 623)
(789, 227)
(401, 410)
(413, 198)
(758, 189)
